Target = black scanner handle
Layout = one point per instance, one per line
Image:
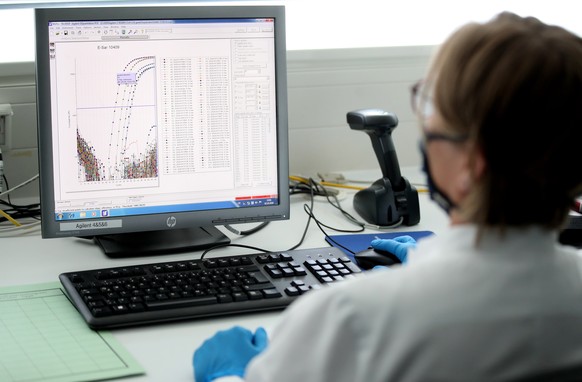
(379, 124)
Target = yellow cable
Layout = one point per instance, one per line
(10, 219)
(329, 184)
(299, 179)
(338, 185)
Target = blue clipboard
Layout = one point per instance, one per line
(359, 242)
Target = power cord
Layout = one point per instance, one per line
(19, 186)
(339, 180)
(15, 212)
(296, 187)
(232, 245)
(22, 229)
(336, 203)
(247, 232)
(319, 225)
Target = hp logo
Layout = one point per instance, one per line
(171, 221)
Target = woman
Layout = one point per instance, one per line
(495, 297)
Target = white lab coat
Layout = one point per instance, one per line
(453, 313)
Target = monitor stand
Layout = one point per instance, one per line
(160, 242)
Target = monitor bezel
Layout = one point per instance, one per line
(158, 222)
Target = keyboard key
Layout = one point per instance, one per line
(222, 298)
(297, 283)
(299, 271)
(119, 308)
(165, 304)
(101, 311)
(258, 286)
(292, 291)
(136, 307)
(255, 295)
(240, 296)
(258, 277)
(271, 293)
(303, 288)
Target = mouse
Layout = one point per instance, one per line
(370, 257)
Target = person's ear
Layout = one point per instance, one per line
(478, 163)
(476, 166)
(465, 181)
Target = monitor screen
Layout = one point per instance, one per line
(157, 124)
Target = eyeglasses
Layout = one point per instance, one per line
(430, 136)
(420, 100)
(422, 106)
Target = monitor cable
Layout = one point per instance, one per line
(247, 232)
(294, 189)
(334, 201)
(312, 188)
(12, 213)
(323, 191)
(232, 245)
(9, 190)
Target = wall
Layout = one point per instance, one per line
(323, 85)
(17, 87)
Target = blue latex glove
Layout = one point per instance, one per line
(228, 352)
(398, 246)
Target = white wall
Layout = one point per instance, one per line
(325, 84)
(17, 87)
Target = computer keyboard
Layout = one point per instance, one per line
(175, 290)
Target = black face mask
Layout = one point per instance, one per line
(435, 194)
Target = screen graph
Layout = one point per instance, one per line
(116, 121)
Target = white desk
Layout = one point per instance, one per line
(165, 350)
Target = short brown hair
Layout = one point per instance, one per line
(514, 86)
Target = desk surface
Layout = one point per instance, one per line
(165, 350)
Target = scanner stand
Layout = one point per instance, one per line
(381, 205)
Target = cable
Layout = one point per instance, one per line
(330, 184)
(360, 223)
(247, 232)
(338, 180)
(232, 245)
(309, 212)
(304, 186)
(5, 185)
(337, 205)
(19, 186)
(10, 218)
(2, 177)
(293, 190)
(324, 183)
(15, 212)
(318, 189)
(23, 228)
(311, 187)
(312, 199)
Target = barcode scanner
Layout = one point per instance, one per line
(391, 198)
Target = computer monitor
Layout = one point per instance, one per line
(157, 124)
